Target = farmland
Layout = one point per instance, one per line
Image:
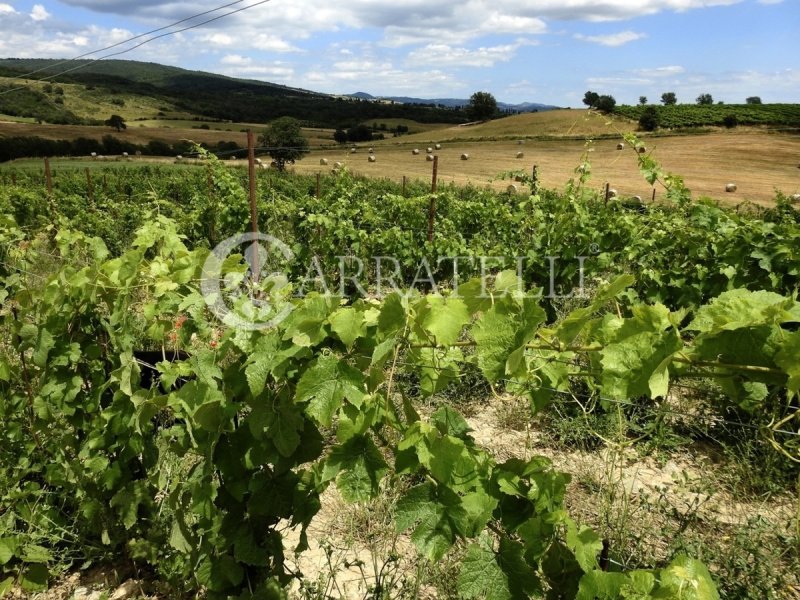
(401, 430)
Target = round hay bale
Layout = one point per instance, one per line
(138, 153)
(620, 146)
(371, 158)
(465, 156)
(730, 188)
(323, 161)
(232, 158)
(429, 158)
(612, 193)
(179, 157)
(125, 154)
(352, 150)
(637, 199)
(511, 189)
(429, 150)
(337, 165)
(520, 155)
(642, 150)
(258, 161)
(371, 150)
(795, 198)
(94, 154)
(438, 146)
(415, 151)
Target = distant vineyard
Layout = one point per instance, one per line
(689, 115)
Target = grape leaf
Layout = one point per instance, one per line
(358, 467)
(326, 384)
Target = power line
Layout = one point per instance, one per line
(140, 44)
(136, 37)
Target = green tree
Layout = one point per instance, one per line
(482, 106)
(284, 141)
(669, 98)
(606, 103)
(590, 99)
(753, 100)
(116, 122)
(340, 136)
(650, 119)
(705, 99)
(642, 100)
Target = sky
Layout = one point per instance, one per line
(548, 51)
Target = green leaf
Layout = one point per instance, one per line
(34, 578)
(502, 575)
(5, 370)
(358, 467)
(740, 308)
(437, 516)
(585, 544)
(688, 579)
(5, 586)
(40, 339)
(442, 319)
(8, 549)
(348, 324)
(788, 359)
(33, 553)
(261, 362)
(326, 384)
(599, 585)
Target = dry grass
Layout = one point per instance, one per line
(757, 162)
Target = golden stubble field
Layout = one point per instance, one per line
(757, 162)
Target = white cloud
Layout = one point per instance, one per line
(39, 13)
(6, 9)
(659, 72)
(236, 60)
(612, 39)
(444, 55)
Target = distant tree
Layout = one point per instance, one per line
(590, 99)
(116, 122)
(482, 106)
(669, 98)
(285, 141)
(730, 121)
(359, 133)
(704, 99)
(754, 100)
(650, 119)
(340, 136)
(642, 100)
(48, 88)
(59, 91)
(606, 103)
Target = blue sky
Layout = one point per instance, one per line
(549, 51)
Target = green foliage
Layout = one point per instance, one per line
(753, 100)
(590, 99)
(650, 119)
(284, 141)
(606, 103)
(704, 99)
(708, 115)
(669, 99)
(116, 122)
(482, 106)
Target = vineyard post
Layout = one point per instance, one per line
(404, 186)
(608, 191)
(251, 166)
(535, 180)
(13, 179)
(318, 186)
(432, 206)
(89, 188)
(654, 194)
(48, 176)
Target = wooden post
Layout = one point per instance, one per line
(48, 176)
(318, 185)
(404, 186)
(13, 179)
(654, 194)
(608, 191)
(89, 188)
(535, 180)
(251, 165)
(432, 206)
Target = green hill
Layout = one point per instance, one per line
(200, 94)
